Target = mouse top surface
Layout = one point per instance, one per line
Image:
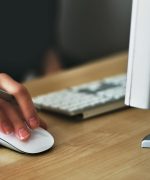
(40, 140)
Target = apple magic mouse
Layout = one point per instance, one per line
(40, 140)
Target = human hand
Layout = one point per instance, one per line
(17, 119)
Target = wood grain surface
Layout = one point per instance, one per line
(105, 147)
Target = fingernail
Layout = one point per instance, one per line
(34, 122)
(7, 129)
(23, 133)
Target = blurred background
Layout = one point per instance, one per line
(44, 37)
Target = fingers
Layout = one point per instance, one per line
(23, 98)
(25, 103)
(13, 118)
(11, 121)
(5, 125)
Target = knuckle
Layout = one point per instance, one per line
(3, 75)
(19, 89)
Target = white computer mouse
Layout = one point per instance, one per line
(40, 140)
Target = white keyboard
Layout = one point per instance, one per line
(88, 99)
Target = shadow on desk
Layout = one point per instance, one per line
(79, 118)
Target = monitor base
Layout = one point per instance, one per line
(146, 142)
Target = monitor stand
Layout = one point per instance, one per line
(146, 142)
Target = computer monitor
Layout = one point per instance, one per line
(138, 74)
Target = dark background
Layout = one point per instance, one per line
(79, 30)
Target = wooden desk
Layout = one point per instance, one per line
(103, 147)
